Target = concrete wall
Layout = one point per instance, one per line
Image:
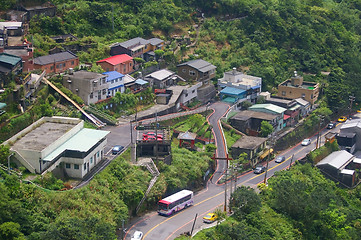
(296, 92)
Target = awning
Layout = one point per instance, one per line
(141, 82)
(285, 117)
(232, 91)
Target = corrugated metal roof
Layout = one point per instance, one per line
(134, 41)
(113, 75)
(84, 140)
(336, 159)
(268, 106)
(160, 74)
(53, 58)
(114, 60)
(155, 41)
(141, 81)
(187, 136)
(9, 59)
(232, 91)
(199, 64)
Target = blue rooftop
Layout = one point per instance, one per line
(232, 91)
(141, 81)
(113, 75)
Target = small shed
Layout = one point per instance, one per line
(187, 137)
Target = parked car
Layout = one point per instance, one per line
(331, 125)
(342, 119)
(137, 235)
(210, 217)
(117, 149)
(280, 159)
(259, 169)
(306, 142)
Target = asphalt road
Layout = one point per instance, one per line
(159, 227)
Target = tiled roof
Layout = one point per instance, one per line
(160, 74)
(155, 41)
(336, 159)
(117, 59)
(57, 57)
(134, 41)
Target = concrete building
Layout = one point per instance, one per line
(9, 64)
(249, 122)
(297, 88)
(199, 71)
(116, 83)
(253, 146)
(339, 166)
(89, 86)
(349, 137)
(13, 28)
(246, 86)
(56, 63)
(162, 79)
(58, 144)
(25, 52)
(271, 109)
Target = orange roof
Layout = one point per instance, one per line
(116, 59)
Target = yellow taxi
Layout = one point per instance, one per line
(342, 119)
(210, 217)
(359, 111)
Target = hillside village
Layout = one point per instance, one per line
(134, 89)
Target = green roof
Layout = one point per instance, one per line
(83, 141)
(269, 107)
(10, 59)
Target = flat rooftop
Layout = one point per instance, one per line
(42, 136)
(247, 114)
(249, 142)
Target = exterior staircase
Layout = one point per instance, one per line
(152, 168)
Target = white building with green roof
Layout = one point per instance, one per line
(58, 144)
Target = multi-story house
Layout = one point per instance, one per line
(297, 88)
(136, 47)
(162, 78)
(9, 64)
(239, 87)
(271, 109)
(116, 83)
(56, 63)
(89, 86)
(120, 63)
(199, 71)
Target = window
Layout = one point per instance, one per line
(67, 165)
(303, 95)
(104, 91)
(116, 80)
(51, 67)
(193, 91)
(104, 80)
(125, 68)
(112, 82)
(91, 95)
(58, 66)
(97, 154)
(183, 70)
(192, 73)
(84, 166)
(91, 160)
(94, 84)
(311, 96)
(72, 62)
(283, 93)
(186, 94)
(76, 166)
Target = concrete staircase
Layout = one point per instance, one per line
(152, 168)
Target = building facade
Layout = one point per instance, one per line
(56, 63)
(116, 83)
(60, 145)
(297, 88)
(89, 86)
(120, 63)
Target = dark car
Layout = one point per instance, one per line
(280, 159)
(331, 125)
(117, 149)
(259, 169)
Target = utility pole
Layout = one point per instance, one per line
(269, 153)
(291, 161)
(225, 193)
(156, 136)
(319, 129)
(352, 99)
(195, 218)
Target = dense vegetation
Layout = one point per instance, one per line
(297, 204)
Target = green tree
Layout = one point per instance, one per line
(11, 231)
(266, 128)
(244, 201)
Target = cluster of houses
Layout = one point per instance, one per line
(294, 101)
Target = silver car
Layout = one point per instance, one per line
(306, 142)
